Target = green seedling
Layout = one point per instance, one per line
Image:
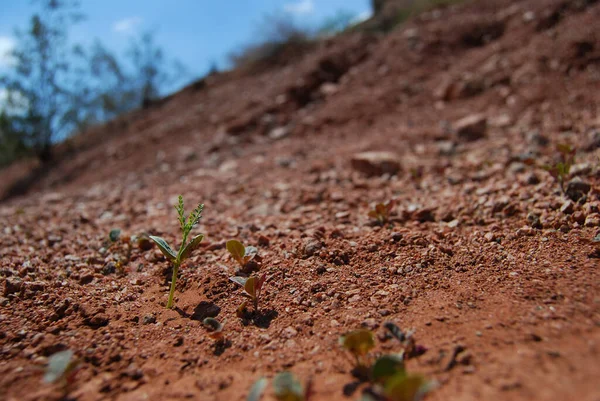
(186, 248)
(257, 390)
(359, 343)
(62, 368)
(215, 328)
(382, 211)
(561, 168)
(252, 288)
(387, 376)
(286, 387)
(240, 253)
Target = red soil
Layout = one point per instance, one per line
(484, 251)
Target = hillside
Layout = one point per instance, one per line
(483, 253)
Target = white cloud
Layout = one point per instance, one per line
(127, 25)
(7, 44)
(365, 15)
(300, 7)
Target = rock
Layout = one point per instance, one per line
(396, 237)
(279, 132)
(424, 215)
(592, 141)
(567, 207)
(12, 285)
(471, 128)
(370, 323)
(289, 332)
(86, 279)
(593, 220)
(311, 246)
(376, 163)
(149, 319)
(97, 320)
(577, 188)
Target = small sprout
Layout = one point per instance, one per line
(61, 368)
(386, 367)
(288, 388)
(405, 387)
(382, 212)
(257, 390)
(560, 169)
(186, 248)
(241, 254)
(215, 328)
(359, 343)
(252, 288)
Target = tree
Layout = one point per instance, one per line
(38, 86)
(151, 69)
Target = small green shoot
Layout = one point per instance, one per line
(288, 388)
(215, 328)
(382, 212)
(257, 390)
(561, 168)
(186, 248)
(387, 376)
(240, 253)
(252, 288)
(62, 368)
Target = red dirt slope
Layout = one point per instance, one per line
(484, 251)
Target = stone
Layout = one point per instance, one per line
(593, 220)
(471, 128)
(149, 319)
(376, 163)
(577, 189)
(279, 132)
(567, 207)
(12, 286)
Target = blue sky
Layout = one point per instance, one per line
(196, 32)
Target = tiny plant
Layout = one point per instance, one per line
(386, 374)
(382, 211)
(359, 343)
(561, 168)
(186, 248)
(286, 387)
(252, 288)
(62, 368)
(240, 253)
(215, 329)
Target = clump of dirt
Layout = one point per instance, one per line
(482, 252)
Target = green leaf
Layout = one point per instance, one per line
(257, 390)
(406, 388)
(250, 253)
(237, 250)
(193, 244)
(386, 367)
(287, 387)
(358, 342)
(59, 365)
(239, 280)
(164, 247)
(114, 234)
(250, 286)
